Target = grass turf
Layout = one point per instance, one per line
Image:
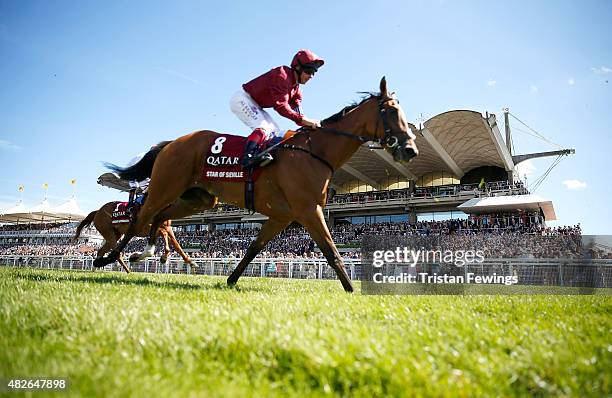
(114, 334)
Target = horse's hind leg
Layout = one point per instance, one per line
(123, 264)
(268, 231)
(164, 257)
(314, 222)
(115, 253)
(110, 244)
(191, 202)
(106, 247)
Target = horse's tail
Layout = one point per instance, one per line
(142, 169)
(84, 224)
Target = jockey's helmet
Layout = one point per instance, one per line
(306, 61)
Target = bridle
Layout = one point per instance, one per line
(387, 139)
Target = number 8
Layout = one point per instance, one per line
(218, 147)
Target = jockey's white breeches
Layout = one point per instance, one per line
(253, 115)
(142, 185)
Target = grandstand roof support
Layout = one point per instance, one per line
(501, 147)
(384, 155)
(335, 186)
(521, 158)
(360, 176)
(446, 158)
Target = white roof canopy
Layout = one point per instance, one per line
(43, 212)
(497, 204)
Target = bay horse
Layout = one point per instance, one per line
(103, 221)
(292, 188)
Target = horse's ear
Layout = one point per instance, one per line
(383, 87)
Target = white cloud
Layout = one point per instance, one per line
(9, 146)
(575, 185)
(525, 169)
(602, 70)
(533, 89)
(571, 81)
(491, 83)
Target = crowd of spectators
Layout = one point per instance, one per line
(429, 192)
(44, 250)
(498, 235)
(42, 229)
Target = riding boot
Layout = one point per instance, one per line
(131, 197)
(130, 204)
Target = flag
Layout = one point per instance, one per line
(20, 188)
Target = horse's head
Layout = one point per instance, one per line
(398, 139)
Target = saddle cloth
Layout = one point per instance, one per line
(120, 215)
(222, 161)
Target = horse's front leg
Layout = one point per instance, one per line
(268, 231)
(179, 249)
(149, 250)
(314, 222)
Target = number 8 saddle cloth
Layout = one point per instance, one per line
(223, 160)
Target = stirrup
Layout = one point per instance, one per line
(265, 160)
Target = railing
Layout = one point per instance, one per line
(295, 268)
(558, 272)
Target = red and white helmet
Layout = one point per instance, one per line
(307, 61)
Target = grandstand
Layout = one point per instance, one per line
(45, 230)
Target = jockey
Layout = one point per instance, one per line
(137, 188)
(279, 89)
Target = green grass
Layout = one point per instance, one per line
(148, 335)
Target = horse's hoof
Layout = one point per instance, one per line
(133, 258)
(100, 262)
(348, 289)
(192, 264)
(163, 259)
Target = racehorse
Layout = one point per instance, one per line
(293, 188)
(103, 221)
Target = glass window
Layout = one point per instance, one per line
(442, 216)
(424, 216)
(399, 218)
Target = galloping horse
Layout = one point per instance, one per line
(103, 221)
(293, 188)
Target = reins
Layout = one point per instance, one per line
(382, 140)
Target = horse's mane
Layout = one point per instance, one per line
(366, 95)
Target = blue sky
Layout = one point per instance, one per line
(85, 82)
